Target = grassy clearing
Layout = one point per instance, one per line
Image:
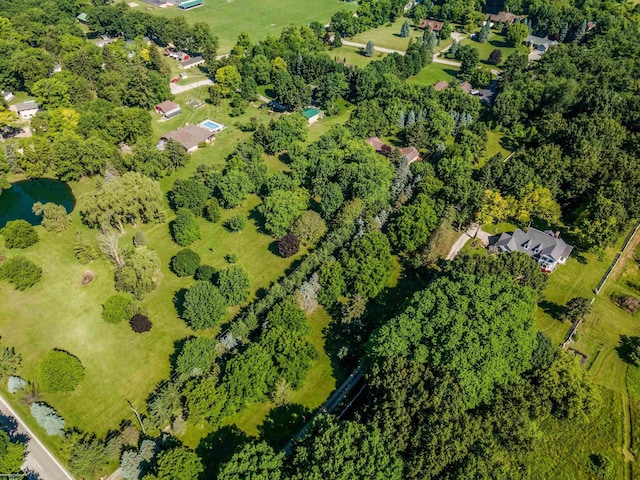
(494, 146)
(496, 40)
(260, 18)
(354, 56)
(434, 73)
(388, 35)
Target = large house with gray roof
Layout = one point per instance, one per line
(547, 248)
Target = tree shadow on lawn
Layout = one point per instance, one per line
(178, 300)
(258, 220)
(282, 423)
(627, 349)
(177, 348)
(218, 447)
(553, 309)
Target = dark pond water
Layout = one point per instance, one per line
(16, 203)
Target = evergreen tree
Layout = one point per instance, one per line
(369, 50)
(580, 32)
(411, 118)
(404, 31)
(563, 32)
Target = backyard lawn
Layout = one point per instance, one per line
(261, 19)
(434, 73)
(388, 35)
(496, 40)
(354, 56)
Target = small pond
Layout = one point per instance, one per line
(16, 202)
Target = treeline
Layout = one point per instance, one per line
(575, 116)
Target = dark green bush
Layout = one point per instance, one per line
(235, 223)
(206, 272)
(185, 263)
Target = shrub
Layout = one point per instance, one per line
(231, 258)
(185, 229)
(117, 308)
(54, 216)
(288, 245)
(60, 371)
(234, 284)
(140, 323)
(235, 223)
(15, 384)
(140, 274)
(495, 57)
(83, 250)
(212, 211)
(140, 240)
(19, 234)
(21, 272)
(310, 227)
(185, 263)
(204, 306)
(206, 273)
(48, 418)
(627, 302)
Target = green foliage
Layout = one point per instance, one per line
(206, 272)
(228, 80)
(197, 357)
(48, 418)
(404, 30)
(336, 450)
(236, 223)
(60, 372)
(83, 250)
(185, 262)
(212, 211)
(178, 463)
(117, 308)
(205, 400)
(249, 377)
(281, 208)
(480, 330)
(54, 217)
(191, 194)
(19, 234)
(234, 284)
(331, 277)
(233, 187)
(414, 224)
(309, 227)
(256, 460)
(12, 454)
(10, 361)
(516, 33)
(185, 229)
(140, 239)
(367, 264)
(495, 57)
(21, 272)
(576, 309)
(140, 274)
(204, 305)
(369, 49)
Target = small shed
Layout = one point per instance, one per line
(168, 109)
(82, 18)
(312, 115)
(189, 4)
(26, 110)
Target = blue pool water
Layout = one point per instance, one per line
(212, 125)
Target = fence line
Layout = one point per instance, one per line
(616, 260)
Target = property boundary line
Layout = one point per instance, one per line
(617, 259)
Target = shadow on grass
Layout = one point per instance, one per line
(553, 309)
(218, 447)
(282, 423)
(178, 300)
(629, 349)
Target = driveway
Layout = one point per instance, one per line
(176, 89)
(40, 463)
(473, 231)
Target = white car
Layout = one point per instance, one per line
(475, 92)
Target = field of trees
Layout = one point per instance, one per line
(225, 294)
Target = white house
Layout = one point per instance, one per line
(546, 247)
(26, 110)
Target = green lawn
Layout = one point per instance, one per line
(354, 56)
(496, 40)
(228, 18)
(432, 74)
(494, 146)
(388, 35)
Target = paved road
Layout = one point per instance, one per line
(473, 230)
(40, 463)
(176, 89)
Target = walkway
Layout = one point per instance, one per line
(39, 460)
(176, 89)
(473, 231)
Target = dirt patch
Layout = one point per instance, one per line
(87, 277)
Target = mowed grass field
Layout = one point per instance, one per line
(261, 18)
(496, 40)
(434, 73)
(59, 312)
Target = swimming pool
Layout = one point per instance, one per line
(211, 125)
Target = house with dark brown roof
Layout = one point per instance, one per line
(410, 154)
(504, 17)
(435, 25)
(189, 136)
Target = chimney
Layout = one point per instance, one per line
(556, 235)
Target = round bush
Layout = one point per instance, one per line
(288, 245)
(19, 234)
(235, 223)
(117, 308)
(21, 272)
(60, 372)
(185, 263)
(185, 228)
(140, 240)
(212, 211)
(140, 323)
(206, 273)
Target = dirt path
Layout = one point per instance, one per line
(176, 89)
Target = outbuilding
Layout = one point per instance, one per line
(26, 110)
(189, 4)
(191, 62)
(168, 109)
(312, 115)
